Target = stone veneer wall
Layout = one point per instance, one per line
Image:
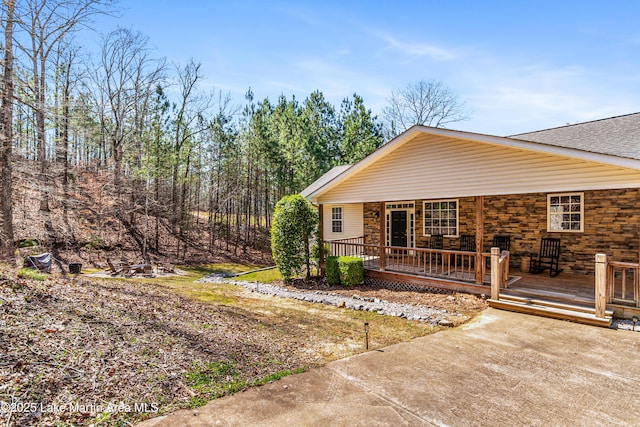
(371, 218)
(611, 226)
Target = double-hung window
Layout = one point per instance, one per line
(336, 219)
(441, 217)
(565, 212)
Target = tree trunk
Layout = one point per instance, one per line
(7, 254)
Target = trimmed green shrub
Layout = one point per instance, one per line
(332, 270)
(351, 270)
(294, 224)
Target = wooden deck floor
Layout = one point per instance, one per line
(566, 286)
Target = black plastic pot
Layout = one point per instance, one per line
(74, 268)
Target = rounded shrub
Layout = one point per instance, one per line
(351, 270)
(332, 270)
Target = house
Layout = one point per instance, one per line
(579, 183)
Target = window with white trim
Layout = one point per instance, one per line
(336, 219)
(441, 217)
(565, 212)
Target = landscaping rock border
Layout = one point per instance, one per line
(355, 302)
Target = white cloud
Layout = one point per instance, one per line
(508, 99)
(415, 49)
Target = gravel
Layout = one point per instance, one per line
(355, 302)
(625, 324)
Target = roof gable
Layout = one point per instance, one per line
(328, 176)
(432, 166)
(424, 133)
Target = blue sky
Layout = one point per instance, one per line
(518, 65)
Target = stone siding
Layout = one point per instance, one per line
(371, 218)
(611, 226)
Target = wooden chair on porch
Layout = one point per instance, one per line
(468, 242)
(436, 241)
(501, 241)
(548, 257)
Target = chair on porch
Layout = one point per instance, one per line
(501, 241)
(548, 257)
(468, 242)
(436, 241)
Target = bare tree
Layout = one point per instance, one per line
(125, 79)
(47, 23)
(189, 121)
(6, 138)
(427, 103)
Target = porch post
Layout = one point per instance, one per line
(479, 239)
(601, 285)
(383, 235)
(496, 280)
(321, 238)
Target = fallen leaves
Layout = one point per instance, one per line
(97, 342)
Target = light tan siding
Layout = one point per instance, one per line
(433, 166)
(352, 225)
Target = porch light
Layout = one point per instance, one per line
(634, 319)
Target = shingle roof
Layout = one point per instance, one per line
(332, 173)
(618, 136)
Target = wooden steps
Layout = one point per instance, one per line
(555, 309)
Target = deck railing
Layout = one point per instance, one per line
(442, 263)
(616, 283)
(353, 246)
(623, 283)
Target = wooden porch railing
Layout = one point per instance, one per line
(616, 283)
(357, 240)
(623, 283)
(443, 263)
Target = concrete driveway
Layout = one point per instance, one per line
(502, 369)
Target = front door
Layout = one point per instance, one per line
(399, 228)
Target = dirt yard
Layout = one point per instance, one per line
(110, 352)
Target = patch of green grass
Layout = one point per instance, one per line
(197, 401)
(212, 380)
(208, 373)
(217, 379)
(264, 276)
(277, 375)
(28, 273)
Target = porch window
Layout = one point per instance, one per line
(565, 212)
(441, 217)
(336, 219)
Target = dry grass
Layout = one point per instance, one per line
(169, 344)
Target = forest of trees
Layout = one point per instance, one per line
(187, 157)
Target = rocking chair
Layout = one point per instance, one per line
(548, 257)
